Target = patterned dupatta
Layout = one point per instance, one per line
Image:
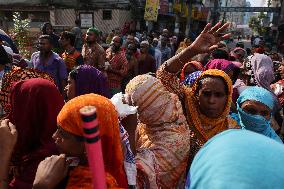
(206, 127)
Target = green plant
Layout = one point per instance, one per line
(256, 23)
(20, 34)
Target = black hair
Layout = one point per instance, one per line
(248, 50)
(77, 22)
(4, 57)
(73, 74)
(200, 83)
(46, 37)
(240, 44)
(44, 26)
(220, 54)
(70, 36)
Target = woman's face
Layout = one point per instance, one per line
(70, 88)
(212, 97)
(281, 70)
(68, 144)
(256, 108)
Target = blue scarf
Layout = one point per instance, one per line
(238, 159)
(256, 123)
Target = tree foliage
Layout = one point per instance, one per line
(256, 23)
(20, 34)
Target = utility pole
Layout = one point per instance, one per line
(188, 19)
(215, 13)
(224, 15)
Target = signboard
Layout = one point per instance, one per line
(151, 10)
(247, 9)
(87, 20)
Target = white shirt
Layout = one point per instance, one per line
(158, 57)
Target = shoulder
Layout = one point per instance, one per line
(57, 57)
(35, 55)
(100, 48)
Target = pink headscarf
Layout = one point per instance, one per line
(220, 64)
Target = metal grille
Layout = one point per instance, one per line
(65, 17)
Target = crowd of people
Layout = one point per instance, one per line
(194, 114)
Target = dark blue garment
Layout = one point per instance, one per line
(10, 43)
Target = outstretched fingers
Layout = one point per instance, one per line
(207, 28)
(222, 29)
(226, 36)
(215, 28)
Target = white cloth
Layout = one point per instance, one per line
(158, 57)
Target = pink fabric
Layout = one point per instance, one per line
(220, 64)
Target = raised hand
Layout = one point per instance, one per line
(209, 37)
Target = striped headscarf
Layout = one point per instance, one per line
(163, 136)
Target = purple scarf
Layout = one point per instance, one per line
(91, 80)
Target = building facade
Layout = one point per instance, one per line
(106, 15)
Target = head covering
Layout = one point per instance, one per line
(260, 50)
(206, 127)
(160, 115)
(256, 123)
(88, 79)
(153, 100)
(35, 104)
(145, 42)
(15, 75)
(69, 119)
(237, 64)
(191, 78)
(94, 30)
(238, 53)
(224, 65)
(220, 64)
(262, 67)
(238, 159)
(197, 65)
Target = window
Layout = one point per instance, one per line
(107, 14)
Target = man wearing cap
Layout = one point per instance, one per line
(92, 52)
(146, 62)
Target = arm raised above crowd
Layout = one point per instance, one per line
(205, 42)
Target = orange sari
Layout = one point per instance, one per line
(69, 119)
(206, 127)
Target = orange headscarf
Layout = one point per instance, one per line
(69, 119)
(204, 126)
(197, 65)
